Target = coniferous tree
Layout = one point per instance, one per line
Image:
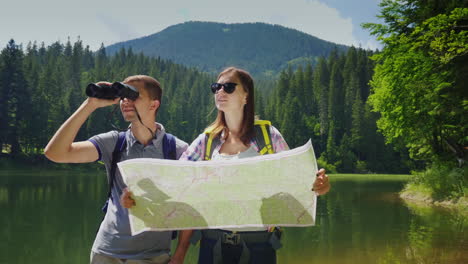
(356, 140)
(31, 69)
(325, 101)
(350, 85)
(336, 101)
(320, 86)
(342, 127)
(310, 104)
(15, 97)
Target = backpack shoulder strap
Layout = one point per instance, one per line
(210, 143)
(170, 152)
(116, 154)
(169, 147)
(264, 143)
(263, 137)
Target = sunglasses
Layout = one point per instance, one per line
(228, 87)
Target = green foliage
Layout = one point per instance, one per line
(419, 87)
(325, 102)
(14, 94)
(41, 87)
(443, 180)
(361, 166)
(329, 107)
(322, 163)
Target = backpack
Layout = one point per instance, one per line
(263, 140)
(261, 127)
(169, 152)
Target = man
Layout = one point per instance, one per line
(144, 139)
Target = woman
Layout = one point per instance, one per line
(234, 137)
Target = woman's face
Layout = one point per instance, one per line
(234, 101)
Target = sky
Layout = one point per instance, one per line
(109, 22)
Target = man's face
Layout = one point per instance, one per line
(143, 104)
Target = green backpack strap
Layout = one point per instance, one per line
(263, 137)
(264, 143)
(263, 140)
(210, 143)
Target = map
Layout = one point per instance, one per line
(257, 192)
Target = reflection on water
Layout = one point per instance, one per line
(53, 219)
(366, 222)
(49, 219)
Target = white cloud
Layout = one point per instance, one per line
(372, 45)
(122, 30)
(113, 21)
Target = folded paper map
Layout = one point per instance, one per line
(262, 191)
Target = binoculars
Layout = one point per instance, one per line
(116, 90)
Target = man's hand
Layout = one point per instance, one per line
(62, 148)
(126, 199)
(98, 103)
(321, 185)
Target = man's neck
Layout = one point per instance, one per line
(141, 132)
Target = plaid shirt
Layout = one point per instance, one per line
(196, 151)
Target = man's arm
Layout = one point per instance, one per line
(61, 147)
(182, 247)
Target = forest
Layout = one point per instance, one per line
(396, 110)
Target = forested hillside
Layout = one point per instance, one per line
(262, 49)
(42, 86)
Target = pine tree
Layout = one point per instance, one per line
(15, 97)
(282, 92)
(320, 86)
(357, 126)
(336, 100)
(4, 120)
(31, 70)
(310, 104)
(350, 85)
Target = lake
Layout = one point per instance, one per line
(52, 217)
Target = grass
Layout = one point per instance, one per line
(370, 177)
(422, 195)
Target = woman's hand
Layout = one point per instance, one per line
(321, 185)
(126, 199)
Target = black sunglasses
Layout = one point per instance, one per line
(228, 87)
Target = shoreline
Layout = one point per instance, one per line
(36, 165)
(423, 199)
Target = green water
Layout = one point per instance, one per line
(52, 218)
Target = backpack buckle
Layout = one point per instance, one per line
(231, 238)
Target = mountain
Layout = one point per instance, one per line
(263, 49)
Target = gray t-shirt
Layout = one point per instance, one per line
(114, 236)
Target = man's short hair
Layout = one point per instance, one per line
(151, 85)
